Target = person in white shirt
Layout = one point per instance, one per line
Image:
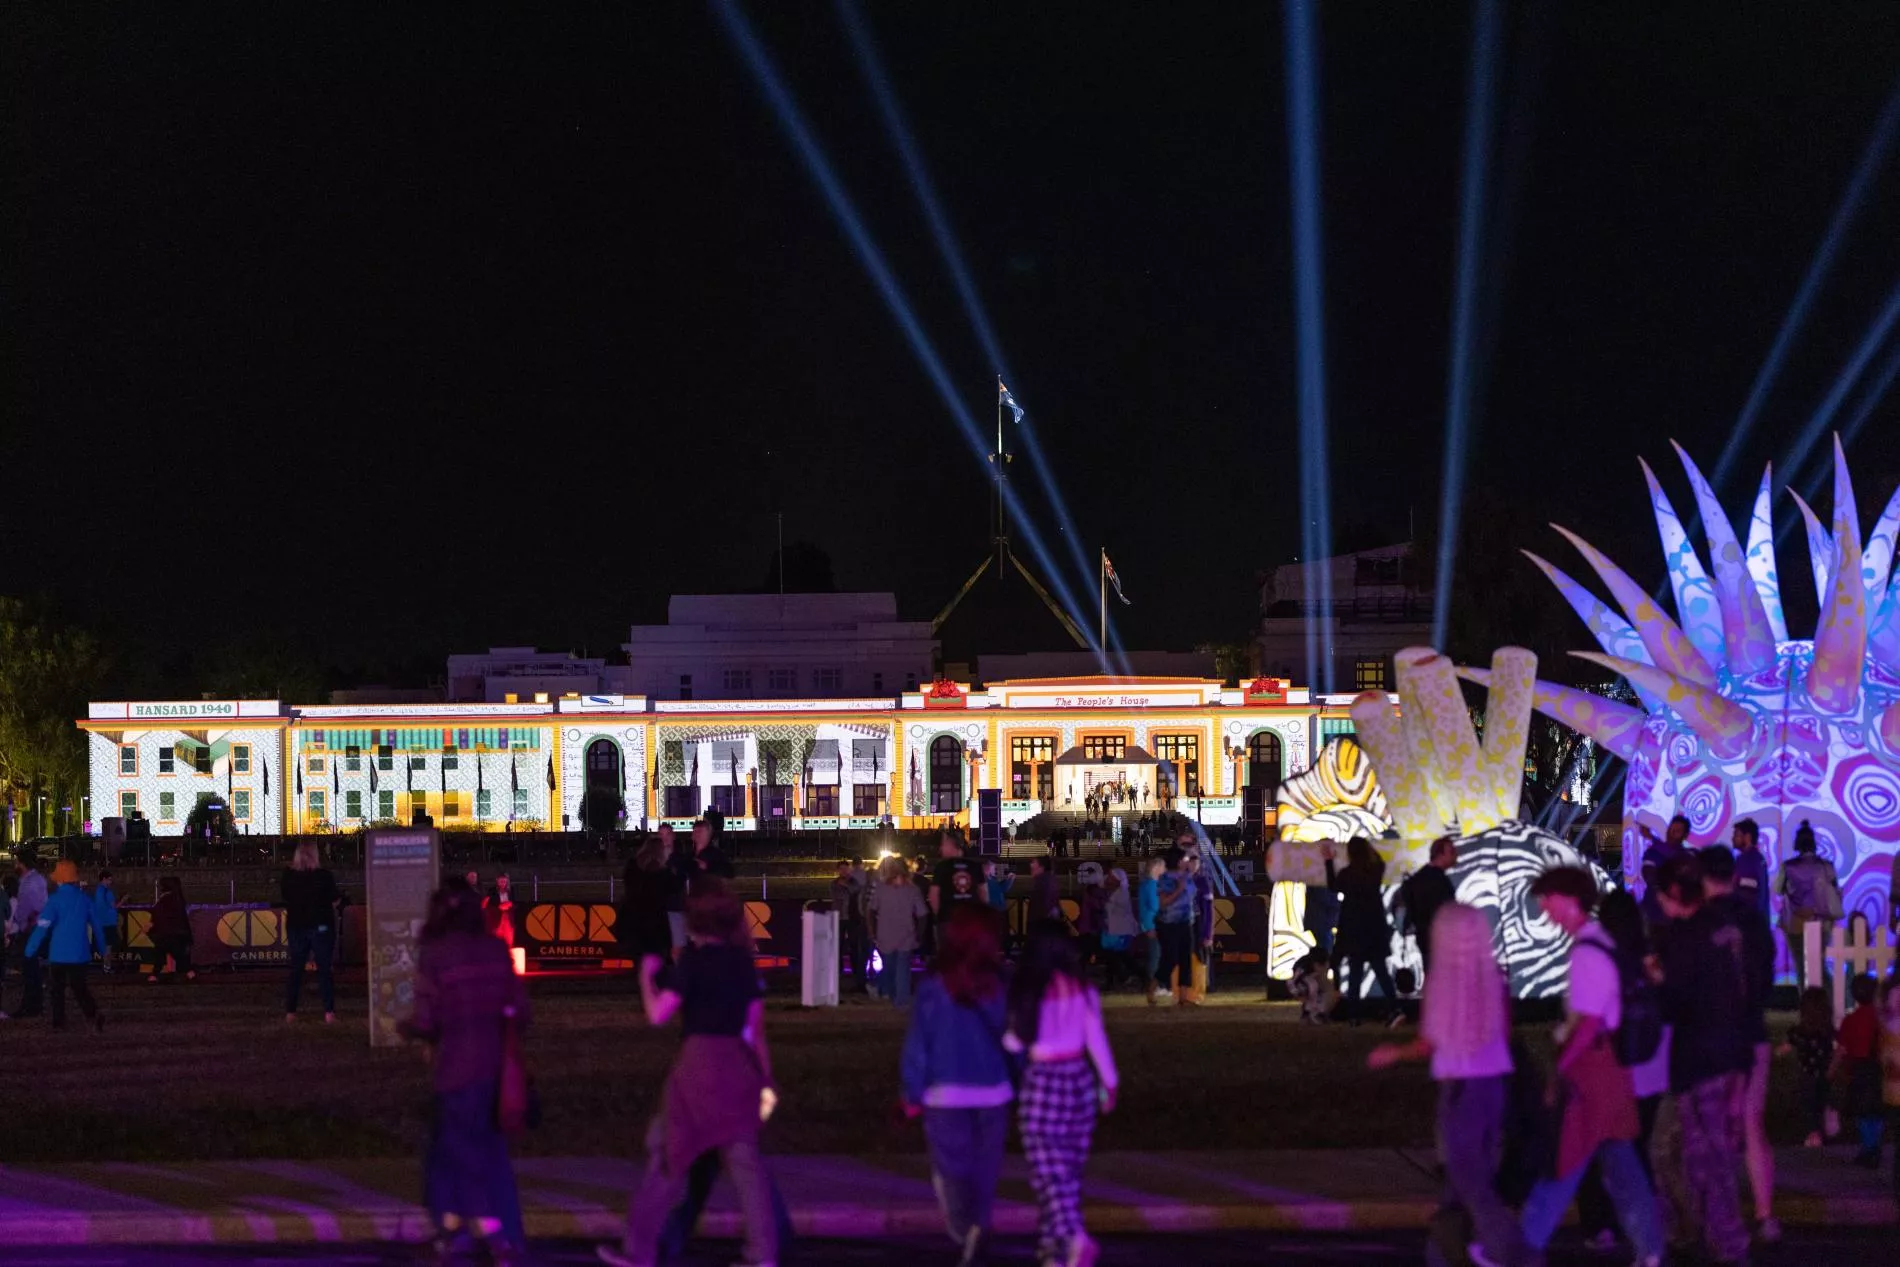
(1055, 1016)
(1464, 1029)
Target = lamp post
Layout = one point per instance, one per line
(39, 816)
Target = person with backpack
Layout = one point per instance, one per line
(1720, 875)
(1810, 893)
(1464, 1030)
(1597, 1096)
(1705, 999)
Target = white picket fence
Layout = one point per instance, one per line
(1854, 947)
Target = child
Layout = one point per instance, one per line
(956, 1076)
(1313, 987)
(1056, 1018)
(1860, 1061)
(1812, 1042)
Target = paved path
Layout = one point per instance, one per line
(355, 1202)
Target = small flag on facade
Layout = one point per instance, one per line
(1108, 571)
(1009, 400)
(550, 774)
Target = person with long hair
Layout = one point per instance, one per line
(170, 931)
(1119, 930)
(310, 920)
(1464, 1030)
(956, 1076)
(1621, 916)
(644, 928)
(719, 1091)
(1055, 1019)
(467, 995)
(897, 912)
(1365, 936)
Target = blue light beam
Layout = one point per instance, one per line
(1870, 163)
(901, 137)
(1479, 107)
(1870, 344)
(752, 51)
(1870, 399)
(1316, 513)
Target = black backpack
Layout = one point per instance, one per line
(1640, 1035)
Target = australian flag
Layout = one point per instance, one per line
(1009, 400)
(1108, 572)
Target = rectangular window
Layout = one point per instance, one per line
(782, 681)
(681, 802)
(484, 803)
(240, 758)
(418, 763)
(319, 802)
(877, 684)
(686, 686)
(418, 803)
(385, 759)
(168, 760)
(1368, 675)
(451, 805)
(864, 798)
(167, 808)
(511, 698)
(828, 681)
(451, 760)
(241, 805)
(353, 758)
(520, 810)
(1184, 752)
(729, 800)
(352, 804)
(385, 805)
(737, 682)
(821, 800)
(317, 763)
(128, 805)
(1104, 747)
(201, 760)
(1032, 767)
(128, 759)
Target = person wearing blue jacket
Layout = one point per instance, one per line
(67, 930)
(1147, 907)
(105, 917)
(956, 1075)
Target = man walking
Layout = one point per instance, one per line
(956, 878)
(1428, 890)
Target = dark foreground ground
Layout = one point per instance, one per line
(1872, 1247)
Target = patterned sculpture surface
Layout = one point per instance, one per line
(1337, 799)
(1738, 720)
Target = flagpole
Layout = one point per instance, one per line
(1101, 589)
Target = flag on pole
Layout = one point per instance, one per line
(1108, 572)
(1009, 400)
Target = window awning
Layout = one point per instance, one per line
(824, 762)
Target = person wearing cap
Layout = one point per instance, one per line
(68, 930)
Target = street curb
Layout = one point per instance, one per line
(843, 1221)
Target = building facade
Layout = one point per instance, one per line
(1377, 609)
(606, 760)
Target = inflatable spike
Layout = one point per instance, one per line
(1669, 647)
(1750, 643)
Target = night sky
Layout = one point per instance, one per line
(400, 334)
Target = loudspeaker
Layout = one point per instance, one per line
(989, 821)
(112, 830)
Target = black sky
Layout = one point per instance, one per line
(404, 333)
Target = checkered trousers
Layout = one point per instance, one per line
(1056, 1112)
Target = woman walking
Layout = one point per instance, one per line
(171, 931)
(719, 1091)
(650, 888)
(1464, 1029)
(310, 919)
(1119, 930)
(68, 930)
(467, 998)
(956, 1076)
(896, 910)
(1055, 1017)
(1365, 936)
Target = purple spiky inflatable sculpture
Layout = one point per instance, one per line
(1738, 720)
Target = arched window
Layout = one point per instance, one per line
(946, 775)
(1263, 761)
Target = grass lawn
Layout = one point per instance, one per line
(213, 1072)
